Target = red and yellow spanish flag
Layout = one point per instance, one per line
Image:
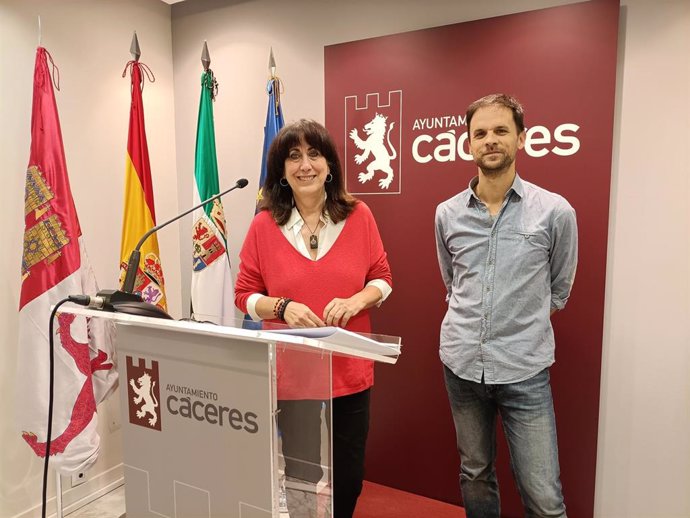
(139, 212)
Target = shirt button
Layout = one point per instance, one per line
(488, 288)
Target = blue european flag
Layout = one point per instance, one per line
(274, 122)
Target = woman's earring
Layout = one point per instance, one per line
(329, 178)
(283, 182)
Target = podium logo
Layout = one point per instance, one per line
(143, 393)
(372, 162)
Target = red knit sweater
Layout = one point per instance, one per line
(269, 264)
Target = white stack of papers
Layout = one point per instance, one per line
(339, 336)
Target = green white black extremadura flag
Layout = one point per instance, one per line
(212, 293)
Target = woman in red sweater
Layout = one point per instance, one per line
(313, 257)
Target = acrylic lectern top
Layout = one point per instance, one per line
(380, 348)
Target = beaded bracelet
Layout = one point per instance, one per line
(276, 306)
(283, 307)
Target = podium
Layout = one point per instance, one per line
(199, 404)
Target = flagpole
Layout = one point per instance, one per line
(58, 495)
(134, 49)
(272, 64)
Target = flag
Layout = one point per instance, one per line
(212, 295)
(139, 214)
(274, 123)
(54, 265)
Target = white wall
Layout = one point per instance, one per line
(89, 42)
(643, 467)
(644, 443)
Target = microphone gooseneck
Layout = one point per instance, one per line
(135, 256)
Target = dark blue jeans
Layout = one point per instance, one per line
(526, 409)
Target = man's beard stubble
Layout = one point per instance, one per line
(495, 170)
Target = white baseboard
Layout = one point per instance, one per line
(74, 498)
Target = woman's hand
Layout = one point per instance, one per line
(299, 315)
(339, 311)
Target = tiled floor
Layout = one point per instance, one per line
(110, 505)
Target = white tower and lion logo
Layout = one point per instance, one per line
(375, 145)
(144, 392)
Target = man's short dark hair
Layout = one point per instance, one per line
(506, 100)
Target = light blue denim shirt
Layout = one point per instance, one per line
(503, 277)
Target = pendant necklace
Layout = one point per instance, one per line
(313, 238)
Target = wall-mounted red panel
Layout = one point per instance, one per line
(561, 63)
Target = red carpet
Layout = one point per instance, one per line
(377, 501)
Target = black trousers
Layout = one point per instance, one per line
(299, 422)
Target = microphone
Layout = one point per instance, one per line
(108, 300)
(135, 256)
(125, 300)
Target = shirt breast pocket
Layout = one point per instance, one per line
(527, 242)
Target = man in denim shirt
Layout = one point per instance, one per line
(507, 250)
